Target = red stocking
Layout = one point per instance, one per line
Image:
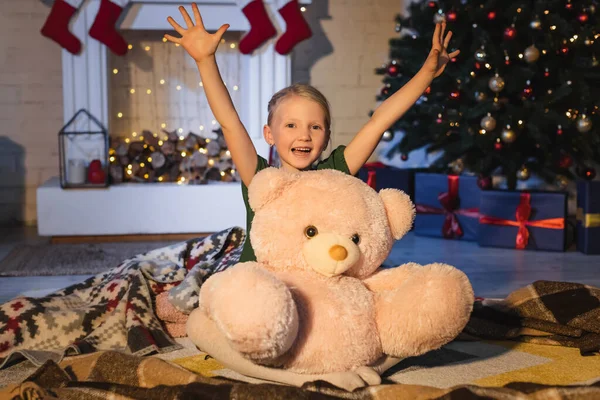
(56, 26)
(261, 27)
(297, 29)
(104, 30)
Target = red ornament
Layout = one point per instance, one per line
(477, 65)
(582, 17)
(96, 174)
(498, 146)
(385, 90)
(484, 182)
(559, 131)
(527, 92)
(510, 33)
(565, 161)
(546, 73)
(438, 120)
(404, 157)
(432, 4)
(589, 173)
(491, 15)
(455, 94)
(392, 70)
(451, 15)
(569, 6)
(453, 59)
(564, 49)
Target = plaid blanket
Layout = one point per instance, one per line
(116, 375)
(114, 310)
(545, 312)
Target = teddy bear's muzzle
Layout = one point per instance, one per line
(330, 254)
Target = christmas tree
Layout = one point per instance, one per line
(519, 99)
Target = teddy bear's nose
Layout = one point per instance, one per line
(338, 253)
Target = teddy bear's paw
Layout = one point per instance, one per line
(369, 375)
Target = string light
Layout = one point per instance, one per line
(214, 122)
(160, 142)
(148, 91)
(178, 87)
(160, 178)
(134, 134)
(142, 164)
(147, 48)
(201, 127)
(132, 91)
(180, 130)
(183, 154)
(120, 115)
(232, 45)
(115, 71)
(235, 87)
(163, 125)
(131, 46)
(164, 40)
(112, 158)
(303, 9)
(162, 81)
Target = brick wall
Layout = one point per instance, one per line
(30, 107)
(350, 40)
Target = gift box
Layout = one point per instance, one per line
(380, 176)
(523, 220)
(447, 206)
(588, 217)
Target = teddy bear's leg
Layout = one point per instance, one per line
(428, 309)
(208, 337)
(253, 309)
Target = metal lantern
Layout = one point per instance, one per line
(83, 152)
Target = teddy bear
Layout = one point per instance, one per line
(317, 305)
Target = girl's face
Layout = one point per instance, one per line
(298, 131)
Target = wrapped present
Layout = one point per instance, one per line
(447, 206)
(588, 217)
(523, 220)
(380, 176)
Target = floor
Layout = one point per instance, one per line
(493, 272)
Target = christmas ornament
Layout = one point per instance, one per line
(532, 54)
(508, 135)
(404, 157)
(569, 6)
(398, 27)
(584, 124)
(523, 174)
(496, 83)
(439, 17)
(385, 90)
(565, 161)
(510, 33)
(56, 26)
(528, 90)
(498, 146)
(432, 4)
(451, 16)
(96, 174)
(559, 130)
(480, 96)
(387, 136)
(484, 182)
(457, 166)
(564, 50)
(546, 72)
(536, 23)
(488, 122)
(491, 15)
(392, 69)
(561, 182)
(582, 17)
(455, 94)
(587, 173)
(480, 55)
(104, 28)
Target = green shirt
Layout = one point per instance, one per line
(335, 161)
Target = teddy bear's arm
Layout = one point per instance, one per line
(428, 308)
(389, 278)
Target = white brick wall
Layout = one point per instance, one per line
(350, 40)
(30, 107)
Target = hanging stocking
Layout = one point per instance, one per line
(297, 29)
(56, 26)
(104, 27)
(261, 27)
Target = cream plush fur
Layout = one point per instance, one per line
(318, 306)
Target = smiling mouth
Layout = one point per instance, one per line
(301, 150)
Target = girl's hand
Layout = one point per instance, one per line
(195, 39)
(438, 56)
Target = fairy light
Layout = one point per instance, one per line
(162, 81)
(120, 115)
(482, 131)
(129, 172)
(180, 130)
(520, 122)
(160, 142)
(160, 178)
(201, 84)
(232, 45)
(207, 141)
(164, 40)
(546, 12)
(112, 158)
(131, 46)
(163, 125)
(553, 28)
(222, 173)
(126, 140)
(132, 91)
(149, 91)
(149, 159)
(146, 176)
(142, 137)
(155, 135)
(214, 122)
(178, 87)
(183, 154)
(303, 9)
(211, 162)
(203, 151)
(201, 127)
(228, 152)
(134, 134)
(147, 48)
(235, 87)
(115, 71)
(145, 146)
(176, 44)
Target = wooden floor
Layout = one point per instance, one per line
(493, 272)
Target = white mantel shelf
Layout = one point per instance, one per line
(139, 209)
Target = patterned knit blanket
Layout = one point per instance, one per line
(114, 310)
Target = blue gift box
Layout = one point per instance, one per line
(545, 224)
(432, 216)
(588, 217)
(387, 177)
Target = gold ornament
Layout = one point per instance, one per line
(561, 182)
(536, 23)
(387, 136)
(584, 124)
(496, 83)
(508, 135)
(488, 122)
(532, 54)
(523, 174)
(480, 96)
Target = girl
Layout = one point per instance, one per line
(299, 119)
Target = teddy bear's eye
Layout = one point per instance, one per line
(355, 238)
(311, 232)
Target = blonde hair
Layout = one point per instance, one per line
(302, 90)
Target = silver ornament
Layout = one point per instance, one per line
(480, 96)
(496, 83)
(536, 23)
(480, 55)
(584, 124)
(532, 54)
(488, 123)
(439, 17)
(387, 136)
(523, 174)
(508, 135)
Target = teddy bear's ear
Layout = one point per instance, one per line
(267, 185)
(400, 211)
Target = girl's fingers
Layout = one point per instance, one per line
(436, 35)
(175, 26)
(186, 17)
(197, 15)
(447, 39)
(454, 54)
(222, 30)
(172, 39)
(442, 32)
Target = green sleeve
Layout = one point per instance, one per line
(261, 164)
(336, 160)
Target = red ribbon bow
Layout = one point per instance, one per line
(522, 215)
(450, 203)
(372, 173)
